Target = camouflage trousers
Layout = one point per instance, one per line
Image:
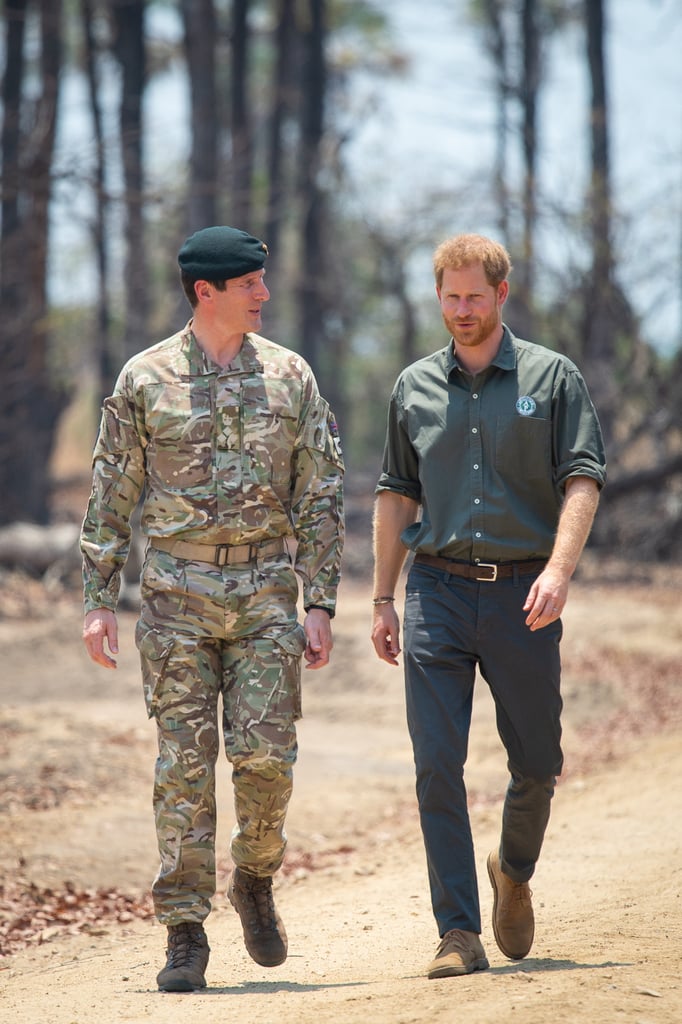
(211, 636)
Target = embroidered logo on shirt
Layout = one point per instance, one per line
(526, 406)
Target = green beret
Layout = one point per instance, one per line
(218, 253)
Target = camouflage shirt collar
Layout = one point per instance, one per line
(199, 364)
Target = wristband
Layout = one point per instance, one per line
(382, 600)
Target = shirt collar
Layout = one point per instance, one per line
(247, 359)
(506, 353)
(505, 358)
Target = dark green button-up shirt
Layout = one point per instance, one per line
(488, 456)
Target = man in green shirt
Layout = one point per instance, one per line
(237, 455)
(497, 442)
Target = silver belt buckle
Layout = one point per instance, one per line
(493, 570)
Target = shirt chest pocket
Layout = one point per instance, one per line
(523, 448)
(268, 424)
(179, 425)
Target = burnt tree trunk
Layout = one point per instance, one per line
(200, 36)
(106, 366)
(241, 129)
(281, 108)
(130, 52)
(31, 400)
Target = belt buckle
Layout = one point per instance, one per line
(221, 553)
(493, 570)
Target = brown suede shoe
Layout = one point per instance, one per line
(186, 958)
(459, 952)
(513, 921)
(264, 935)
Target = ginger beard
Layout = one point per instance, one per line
(472, 331)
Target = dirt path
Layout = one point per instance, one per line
(77, 759)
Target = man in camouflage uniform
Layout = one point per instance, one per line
(238, 457)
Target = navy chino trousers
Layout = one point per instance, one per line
(452, 626)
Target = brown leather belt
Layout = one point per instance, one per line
(217, 554)
(485, 572)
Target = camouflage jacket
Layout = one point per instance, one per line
(224, 456)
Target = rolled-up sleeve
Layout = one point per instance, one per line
(579, 445)
(400, 465)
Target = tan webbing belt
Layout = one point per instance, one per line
(217, 554)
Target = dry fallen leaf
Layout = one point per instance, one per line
(31, 915)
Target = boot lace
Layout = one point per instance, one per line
(183, 942)
(260, 904)
(520, 893)
(454, 941)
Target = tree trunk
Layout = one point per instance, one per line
(599, 326)
(600, 199)
(11, 245)
(281, 106)
(106, 367)
(15, 387)
(310, 199)
(31, 402)
(130, 52)
(529, 86)
(317, 344)
(242, 144)
(393, 253)
(200, 36)
(497, 39)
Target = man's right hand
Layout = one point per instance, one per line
(386, 633)
(100, 624)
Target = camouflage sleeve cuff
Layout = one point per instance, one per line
(320, 597)
(321, 607)
(97, 595)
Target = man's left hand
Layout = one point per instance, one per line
(546, 599)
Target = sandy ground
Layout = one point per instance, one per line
(77, 757)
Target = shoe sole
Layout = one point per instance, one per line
(457, 971)
(181, 986)
(507, 952)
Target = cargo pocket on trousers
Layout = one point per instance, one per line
(292, 645)
(154, 650)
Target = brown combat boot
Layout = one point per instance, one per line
(264, 935)
(187, 952)
(513, 920)
(459, 952)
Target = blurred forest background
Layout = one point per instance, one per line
(265, 99)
